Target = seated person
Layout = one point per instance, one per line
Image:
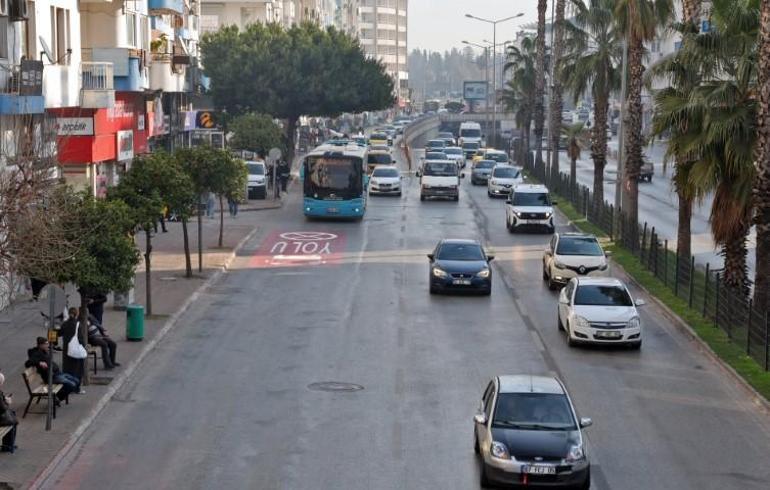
(7, 419)
(97, 336)
(38, 358)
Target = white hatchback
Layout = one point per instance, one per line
(573, 255)
(502, 180)
(599, 311)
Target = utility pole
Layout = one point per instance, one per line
(486, 78)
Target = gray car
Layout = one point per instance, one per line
(481, 171)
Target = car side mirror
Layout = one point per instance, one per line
(586, 422)
(431, 257)
(640, 302)
(490, 258)
(480, 418)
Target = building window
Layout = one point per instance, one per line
(4, 38)
(60, 35)
(30, 37)
(131, 29)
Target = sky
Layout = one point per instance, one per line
(439, 25)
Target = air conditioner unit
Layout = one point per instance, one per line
(18, 9)
(3, 8)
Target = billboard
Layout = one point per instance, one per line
(475, 90)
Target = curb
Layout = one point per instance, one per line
(121, 379)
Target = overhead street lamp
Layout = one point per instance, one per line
(486, 77)
(494, 57)
(494, 71)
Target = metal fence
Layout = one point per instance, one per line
(703, 288)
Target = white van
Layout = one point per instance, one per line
(470, 132)
(440, 178)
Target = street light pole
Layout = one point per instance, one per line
(486, 79)
(494, 62)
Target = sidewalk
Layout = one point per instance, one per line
(21, 323)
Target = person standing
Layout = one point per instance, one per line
(232, 204)
(210, 203)
(96, 306)
(69, 330)
(7, 419)
(284, 172)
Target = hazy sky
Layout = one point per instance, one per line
(438, 25)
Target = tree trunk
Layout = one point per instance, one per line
(683, 232)
(83, 334)
(599, 145)
(291, 136)
(572, 173)
(542, 6)
(148, 271)
(556, 98)
(734, 253)
(762, 152)
(221, 221)
(690, 10)
(634, 138)
(186, 239)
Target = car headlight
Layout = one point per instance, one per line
(439, 272)
(499, 450)
(484, 273)
(548, 215)
(634, 322)
(581, 322)
(603, 267)
(575, 454)
(493, 181)
(559, 265)
(453, 187)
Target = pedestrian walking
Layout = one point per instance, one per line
(96, 305)
(210, 204)
(7, 419)
(232, 204)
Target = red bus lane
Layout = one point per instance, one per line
(299, 248)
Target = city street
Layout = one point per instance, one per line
(231, 398)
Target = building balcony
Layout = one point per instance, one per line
(97, 89)
(128, 67)
(165, 74)
(162, 7)
(21, 89)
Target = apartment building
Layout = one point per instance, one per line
(218, 13)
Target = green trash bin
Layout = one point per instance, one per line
(134, 322)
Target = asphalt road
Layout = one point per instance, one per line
(226, 401)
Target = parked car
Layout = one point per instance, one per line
(526, 432)
(599, 311)
(257, 182)
(571, 255)
(460, 264)
(529, 206)
(502, 180)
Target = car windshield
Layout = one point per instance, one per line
(440, 169)
(453, 151)
(470, 146)
(470, 133)
(498, 157)
(385, 172)
(460, 251)
(437, 143)
(594, 295)
(578, 246)
(486, 164)
(256, 169)
(505, 172)
(531, 199)
(379, 158)
(533, 411)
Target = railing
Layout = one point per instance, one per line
(704, 289)
(96, 75)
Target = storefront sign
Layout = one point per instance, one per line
(205, 120)
(125, 145)
(75, 126)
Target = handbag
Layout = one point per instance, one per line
(7, 416)
(74, 349)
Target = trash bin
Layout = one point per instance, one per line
(134, 322)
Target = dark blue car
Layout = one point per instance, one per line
(460, 265)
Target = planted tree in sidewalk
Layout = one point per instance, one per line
(257, 133)
(575, 136)
(141, 188)
(761, 190)
(519, 93)
(229, 182)
(180, 197)
(557, 103)
(542, 6)
(288, 73)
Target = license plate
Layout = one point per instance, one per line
(609, 335)
(332, 210)
(462, 282)
(539, 469)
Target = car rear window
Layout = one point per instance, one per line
(460, 251)
(486, 164)
(498, 157)
(470, 146)
(379, 158)
(533, 411)
(453, 151)
(595, 295)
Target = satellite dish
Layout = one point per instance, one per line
(47, 50)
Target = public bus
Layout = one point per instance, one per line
(334, 180)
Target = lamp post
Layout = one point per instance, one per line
(486, 77)
(494, 56)
(494, 71)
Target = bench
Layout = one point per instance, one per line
(3, 431)
(38, 389)
(94, 353)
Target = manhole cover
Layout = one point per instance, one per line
(334, 386)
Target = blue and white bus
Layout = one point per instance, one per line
(334, 180)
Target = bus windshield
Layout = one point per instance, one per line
(333, 178)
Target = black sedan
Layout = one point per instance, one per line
(460, 265)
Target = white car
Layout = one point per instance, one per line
(573, 255)
(503, 179)
(599, 311)
(529, 205)
(455, 153)
(257, 183)
(385, 179)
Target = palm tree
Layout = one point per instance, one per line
(519, 96)
(593, 64)
(683, 74)
(762, 182)
(639, 21)
(542, 6)
(556, 96)
(576, 137)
